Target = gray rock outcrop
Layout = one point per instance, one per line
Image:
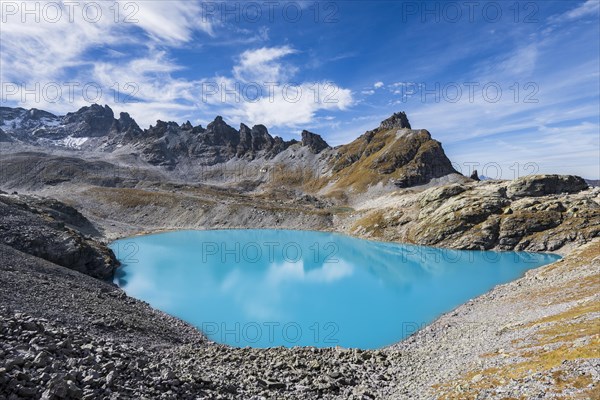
(541, 185)
(486, 215)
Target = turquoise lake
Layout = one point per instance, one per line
(265, 288)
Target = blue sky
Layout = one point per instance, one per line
(510, 88)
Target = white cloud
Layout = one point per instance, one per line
(134, 57)
(294, 106)
(571, 149)
(152, 76)
(378, 85)
(46, 48)
(263, 65)
(260, 91)
(523, 61)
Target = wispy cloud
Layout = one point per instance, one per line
(120, 45)
(547, 113)
(588, 8)
(172, 22)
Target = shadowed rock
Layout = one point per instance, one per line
(314, 142)
(4, 137)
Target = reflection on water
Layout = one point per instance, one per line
(265, 288)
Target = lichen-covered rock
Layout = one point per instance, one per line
(481, 215)
(541, 185)
(438, 194)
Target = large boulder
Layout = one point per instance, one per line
(542, 185)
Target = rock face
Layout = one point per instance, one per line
(55, 232)
(92, 121)
(4, 137)
(71, 131)
(127, 126)
(26, 124)
(168, 144)
(541, 185)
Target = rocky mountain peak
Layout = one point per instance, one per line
(260, 131)
(407, 158)
(396, 121)
(244, 129)
(127, 125)
(314, 142)
(261, 139)
(90, 121)
(217, 121)
(92, 110)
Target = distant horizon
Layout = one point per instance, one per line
(513, 88)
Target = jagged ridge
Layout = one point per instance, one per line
(393, 154)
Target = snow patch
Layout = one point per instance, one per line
(12, 124)
(72, 142)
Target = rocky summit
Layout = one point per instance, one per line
(71, 184)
